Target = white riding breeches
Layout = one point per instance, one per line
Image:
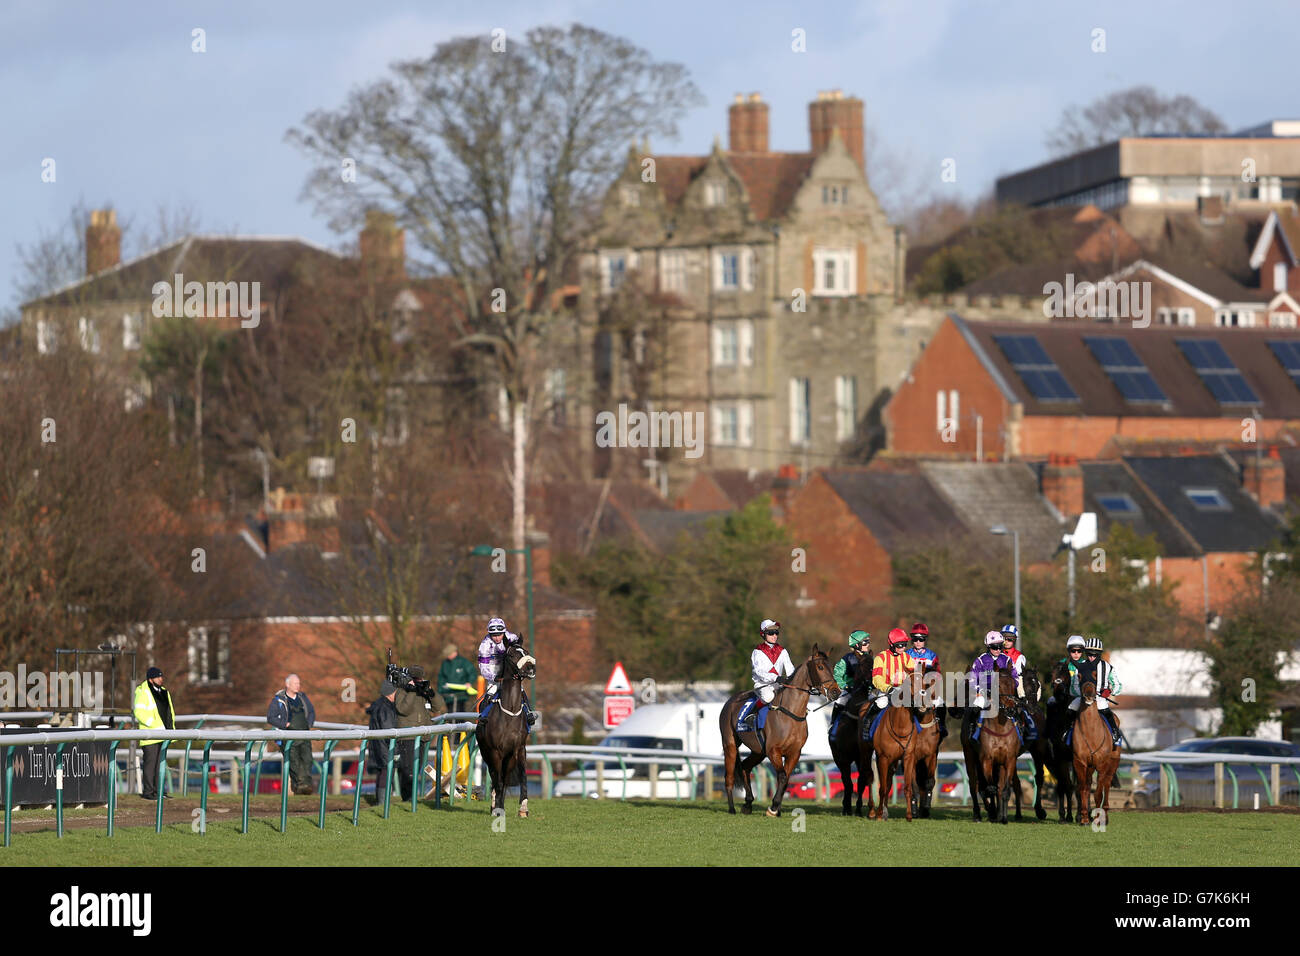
(765, 693)
(491, 689)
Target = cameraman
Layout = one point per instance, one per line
(383, 716)
(413, 710)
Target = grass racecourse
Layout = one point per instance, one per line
(640, 833)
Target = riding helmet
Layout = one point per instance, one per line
(897, 636)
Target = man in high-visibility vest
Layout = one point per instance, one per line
(153, 710)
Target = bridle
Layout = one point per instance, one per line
(818, 688)
(517, 666)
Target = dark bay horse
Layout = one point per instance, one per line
(1041, 749)
(991, 761)
(845, 752)
(894, 740)
(1093, 751)
(785, 734)
(927, 754)
(503, 735)
(1060, 755)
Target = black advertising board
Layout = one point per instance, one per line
(86, 770)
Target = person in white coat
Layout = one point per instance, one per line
(770, 662)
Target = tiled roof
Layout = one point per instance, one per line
(742, 485)
(1243, 527)
(268, 260)
(1113, 478)
(985, 494)
(1156, 346)
(663, 528)
(898, 508)
(771, 179)
(567, 509)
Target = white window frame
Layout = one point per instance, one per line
(715, 193)
(746, 330)
(1279, 277)
(88, 335)
(132, 332)
(133, 398)
(800, 412)
(199, 649)
(746, 419)
(846, 407)
(726, 344)
(556, 393)
(1137, 563)
(845, 263)
(672, 270)
(726, 425)
(608, 272)
(47, 340)
(630, 196)
(397, 425)
(1281, 320)
(1186, 316)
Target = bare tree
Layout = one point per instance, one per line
(491, 153)
(1137, 111)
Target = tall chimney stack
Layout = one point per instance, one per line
(103, 241)
(831, 111)
(747, 126)
(383, 247)
(1265, 478)
(1062, 484)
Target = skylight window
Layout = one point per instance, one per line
(1036, 368)
(1217, 372)
(1117, 504)
(1207, 499)
(1128, 372)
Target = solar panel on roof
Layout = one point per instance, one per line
(1288, 353)
(1217, 372)
(1036, 368)
(1126, 370)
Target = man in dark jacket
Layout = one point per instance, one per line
(291, 709)
(412, 711)
(383, 716)
(456, 675)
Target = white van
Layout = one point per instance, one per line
(675, 727)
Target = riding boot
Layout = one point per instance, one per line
(836, 711)
(743, 718)
(1031, 727)
(529, 714)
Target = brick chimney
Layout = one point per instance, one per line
(784, 485)
(287, 520)
(103, 241)
(747, 128)
(1265, 478)
(834, 111)
(1063, 484)
(383, 247)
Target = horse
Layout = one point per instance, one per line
(991, 761)
(1061, 759)
(785, 734)
(895, 739)
(503, 734)
(1041, 749)
(927, 755)
(1093, 750)
(845, 752)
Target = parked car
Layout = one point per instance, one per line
(949, 783)
(1196, 781)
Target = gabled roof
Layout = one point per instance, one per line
(1113, 478)
(898, 508)
(737, 486)
(663, 528)
(1157, 347)
(770, 179)
(1244, 526)
(571, 512)
(986, 494)
(1279, 227)
(265, 259)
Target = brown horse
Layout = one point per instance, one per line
(1093, 750)
(895, 739)
(927, 754)
(1062, 759)
(785, 734)
(991, 761)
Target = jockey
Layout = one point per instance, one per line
(770, 663)
(1100, 674)
(983, 677)
(490, 652)
(850, 673)
(920, 634)
(890, 668)
(1011, 634)
(1074, 648)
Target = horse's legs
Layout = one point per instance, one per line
(523, 780)
(909, 777)
(746, 767)
(1039, 812)
(729, 752)
(1015, 786)
(885, 778)
(1081, 774)
(783, 763)
(846, 780)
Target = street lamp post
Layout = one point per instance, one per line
(486, 551)
(1015, 543)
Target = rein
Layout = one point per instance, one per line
(812, 689)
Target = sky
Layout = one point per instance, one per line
(135, 119)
